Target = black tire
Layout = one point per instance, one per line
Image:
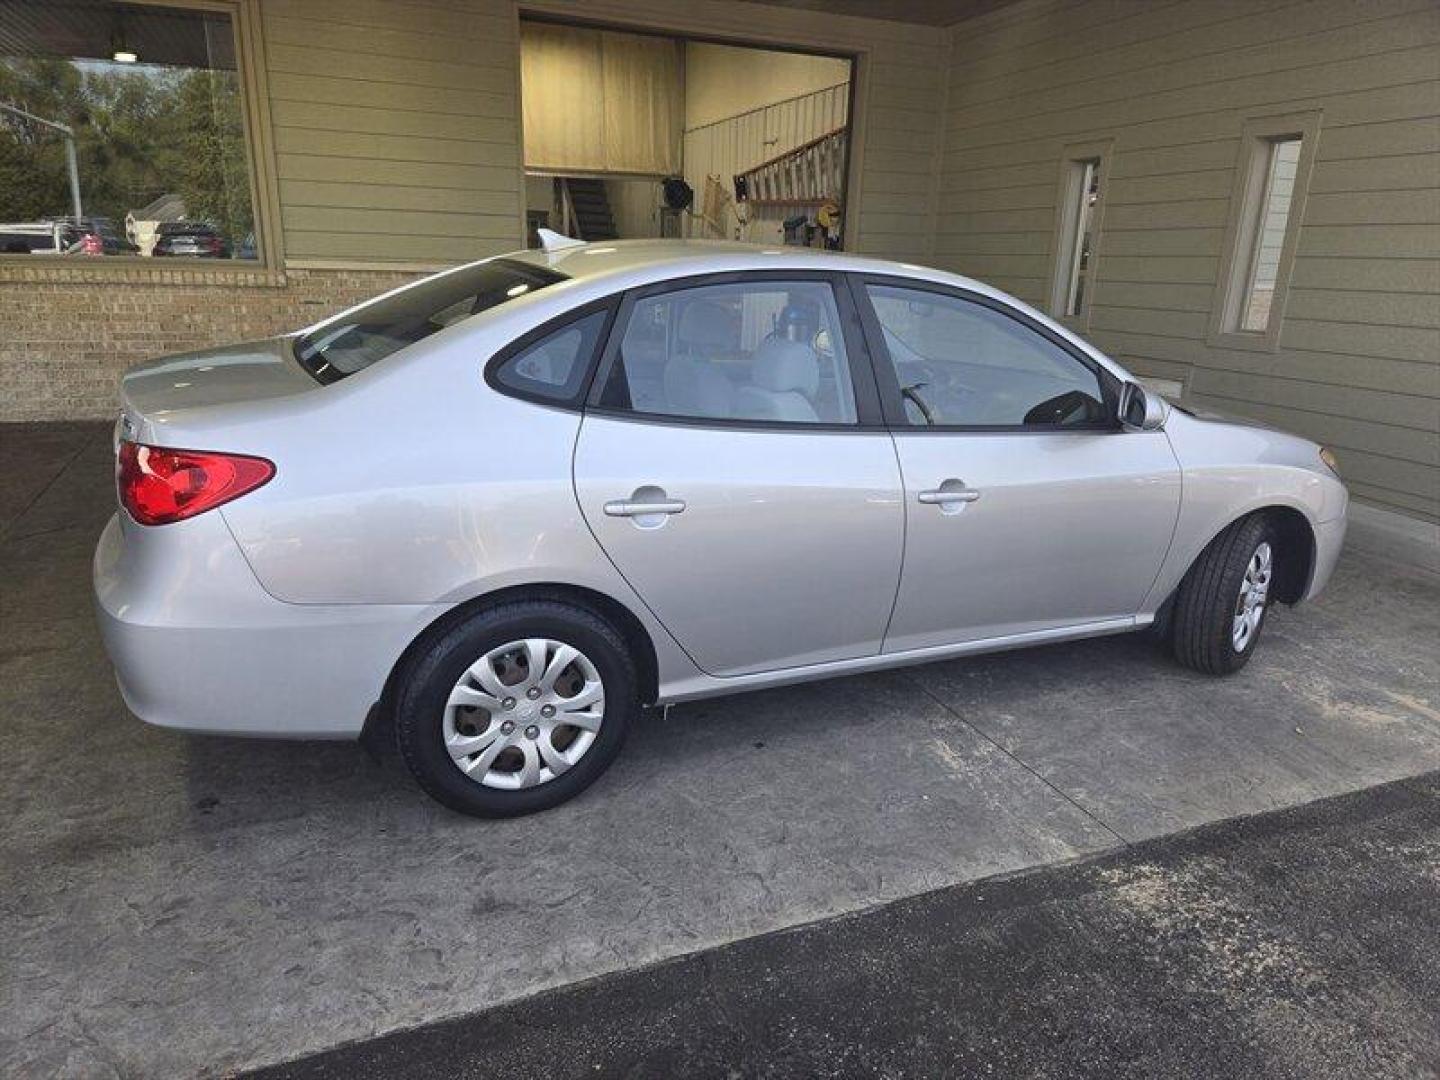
(425, 689)
(1203, 616)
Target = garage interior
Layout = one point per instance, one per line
(635, 136)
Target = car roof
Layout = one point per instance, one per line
(684, 258)
(596, 270)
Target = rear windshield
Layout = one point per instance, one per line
(375, 330)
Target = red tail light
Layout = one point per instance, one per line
(159, 485)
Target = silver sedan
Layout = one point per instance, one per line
(503, 508)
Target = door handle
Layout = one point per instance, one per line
(944, 498)
(636, 508)
(951, 496)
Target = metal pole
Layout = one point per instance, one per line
(70, 159)
(74, 177)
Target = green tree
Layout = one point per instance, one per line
(213, 175)
(140, 133)
(33, 177)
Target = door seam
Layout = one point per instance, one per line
(1174, 528)
(904, 542)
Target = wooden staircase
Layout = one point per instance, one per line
(811, 174)
(587, 209)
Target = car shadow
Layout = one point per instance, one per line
(235, 781)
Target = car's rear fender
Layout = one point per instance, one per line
(198, 645)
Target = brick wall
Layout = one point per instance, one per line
(64, 343)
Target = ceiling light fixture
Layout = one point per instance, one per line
(120, 50)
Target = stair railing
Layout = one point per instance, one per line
(811, 173)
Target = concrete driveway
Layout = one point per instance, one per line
(171, 905)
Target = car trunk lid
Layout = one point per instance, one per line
(232, 375)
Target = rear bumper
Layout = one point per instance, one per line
(1329, 539)
(198, 645)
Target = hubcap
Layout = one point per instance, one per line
(1250, 604)
(524, 713)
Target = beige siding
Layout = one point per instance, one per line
(1358, 363)
(397, 135)
(722, 81)
(396, 129)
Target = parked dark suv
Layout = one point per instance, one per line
(191, 239)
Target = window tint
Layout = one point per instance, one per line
(554, 367)
(762, 350)
(369, 333)
(962, 363)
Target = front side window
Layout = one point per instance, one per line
(959, 363)
(364, 335)
(752, 351)
(122, 133)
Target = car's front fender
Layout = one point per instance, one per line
(1231, 470)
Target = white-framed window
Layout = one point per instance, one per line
(1267, 207)
(1084, 176)
(1281, 158)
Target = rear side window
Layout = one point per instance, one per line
(553, 368)
(763, 350)
(389, 323)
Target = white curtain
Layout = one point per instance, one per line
(595, 101)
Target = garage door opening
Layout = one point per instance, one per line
(634, 135)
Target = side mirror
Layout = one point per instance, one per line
(1141, 410)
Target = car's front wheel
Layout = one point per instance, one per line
(1221, 605)
(517, 709)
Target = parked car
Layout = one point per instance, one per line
(26, 237)
(505, 507)
(62, 236)
(190, 239)
(94, 241)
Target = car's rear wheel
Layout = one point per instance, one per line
(517, 709)
(1221, 605)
